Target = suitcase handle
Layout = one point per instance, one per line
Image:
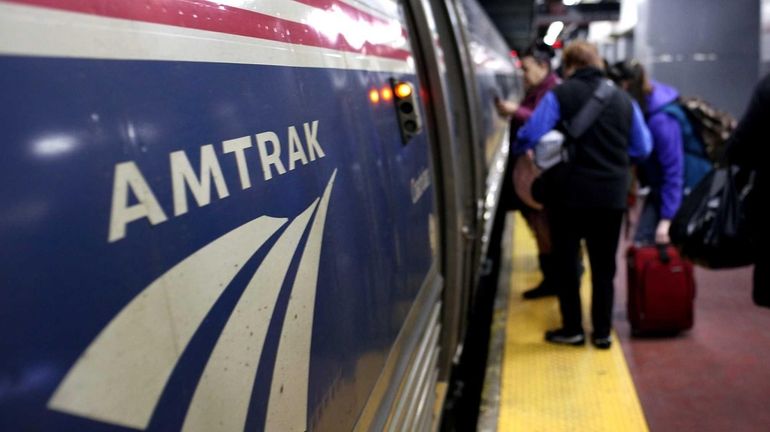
(665, 258)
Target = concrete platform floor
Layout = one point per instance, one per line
(716, 377)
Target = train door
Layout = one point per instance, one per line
(467, 65)
(489, 73)
(450, 76)
(404, 394)
(445, 73)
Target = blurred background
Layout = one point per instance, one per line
(714, 49)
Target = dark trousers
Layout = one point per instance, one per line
(761, 232)
(601, 230)
(536, 220)
(648, 220)
(761, 292)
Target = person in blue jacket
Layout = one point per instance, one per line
(663, 171)
(587, 199)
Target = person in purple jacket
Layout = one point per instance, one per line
(663, 171)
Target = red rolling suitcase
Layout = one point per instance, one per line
(661, 290)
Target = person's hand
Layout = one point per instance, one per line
(506, 108)
(530, 154)
(661, 233)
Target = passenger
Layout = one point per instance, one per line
(587, 200)
(538, 79)
(748, 147)
(663, 171)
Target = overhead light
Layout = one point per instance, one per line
(570, 2)
(554, 30)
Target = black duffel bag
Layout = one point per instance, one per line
(711, 227)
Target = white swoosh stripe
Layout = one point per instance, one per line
(287, 408)
(119, 378)
(221, 400)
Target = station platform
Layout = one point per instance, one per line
(715, 377)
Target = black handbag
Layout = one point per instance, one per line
(711, 227)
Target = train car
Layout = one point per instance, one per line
(243, 214)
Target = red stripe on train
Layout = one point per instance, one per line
(210, 16)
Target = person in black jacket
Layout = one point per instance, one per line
(586, 198)
(748, 147)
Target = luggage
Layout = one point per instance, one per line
(712, 227)
(661, 290)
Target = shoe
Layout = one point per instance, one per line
(601, 342)
(539, 291)
(560, 336)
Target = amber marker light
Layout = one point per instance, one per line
(387, 94)
(374, 96)
(403, 90)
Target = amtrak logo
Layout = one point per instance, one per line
(120, 377)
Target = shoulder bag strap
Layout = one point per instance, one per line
(588, 114)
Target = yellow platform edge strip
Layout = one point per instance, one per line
(552, 388)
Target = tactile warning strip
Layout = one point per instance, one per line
(553, 388)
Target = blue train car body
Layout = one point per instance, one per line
(211, 220)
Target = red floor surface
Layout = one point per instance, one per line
(716, 377)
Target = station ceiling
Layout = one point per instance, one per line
(513, 18)
(520, 21)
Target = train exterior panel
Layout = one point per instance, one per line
(212, 220)
(493, 75)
